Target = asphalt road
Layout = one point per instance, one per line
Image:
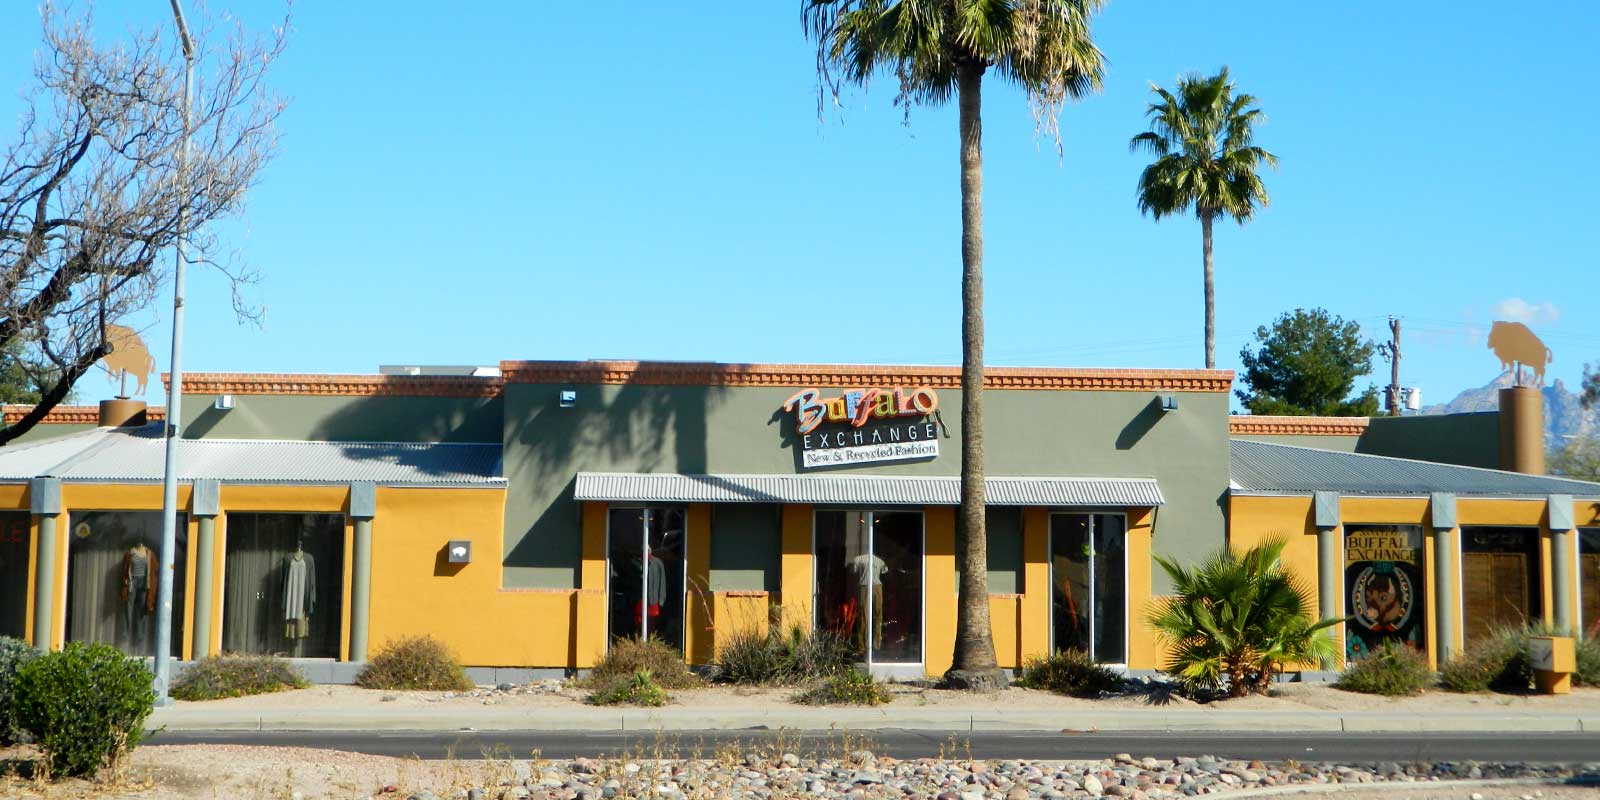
(1345, 747)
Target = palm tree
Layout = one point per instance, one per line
(1238, 619)
(939, 49)
(1202, 140)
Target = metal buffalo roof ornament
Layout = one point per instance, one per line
(128, 356)
(1517, 347)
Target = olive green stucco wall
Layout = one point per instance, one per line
(745, 547)
(1471, 440)
(344, 419)
(697, 429)
(41, 432)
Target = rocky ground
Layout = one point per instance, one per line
(189, 773)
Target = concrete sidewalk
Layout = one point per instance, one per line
(203, 717)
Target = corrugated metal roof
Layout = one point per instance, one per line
(861, 489)
(1264, 468)
(137, 455)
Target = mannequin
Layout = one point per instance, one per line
(138, 595)
(299, 592)
(868, 570)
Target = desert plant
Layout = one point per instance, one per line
(236, 675)
(1236, 620)
(13, 654)
(84, 706)
(778, 657)
(1498, 661)
(1069, 672)
(420, 662)
(1588, 673)
(629, 656)
(852, 687)
(638, 689)
(1393, 671)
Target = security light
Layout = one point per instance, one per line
(569, 398)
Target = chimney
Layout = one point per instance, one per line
(1522, 429)
(123, 413)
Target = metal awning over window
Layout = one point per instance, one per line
(631, 487)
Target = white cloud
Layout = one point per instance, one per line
(1516, 309)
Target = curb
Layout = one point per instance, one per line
(1392, 786)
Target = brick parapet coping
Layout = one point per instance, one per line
(73, 415)
(338, 385)
(845, 376)
(1251, 425)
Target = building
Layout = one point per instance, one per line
(528, 517)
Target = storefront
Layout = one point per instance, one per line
(532, 518)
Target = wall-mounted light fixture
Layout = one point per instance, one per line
(458, 551)
(569, 398)
(223, 402)
(1169, 402)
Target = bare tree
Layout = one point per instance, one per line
(90, 200)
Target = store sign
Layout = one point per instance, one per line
(1383, 584)
(864, 426)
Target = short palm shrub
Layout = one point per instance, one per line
(1069, 672)
(853, 687)
(85, 707)
(13, 654)
(638, 689)
(775, 657)
(1588, 673)
(234, 675)
(1393, 671)
(416, 663)
(1236, 620)
(627, 657)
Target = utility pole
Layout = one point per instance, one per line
(1391, 353)
(169, 480)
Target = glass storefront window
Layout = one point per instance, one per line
(1589, 581)
(1383, 580)
(645, 557)
(1089, 586)
(113, 558)
(869, 581)
(1500, 579)
(283, 585)
(15, 537)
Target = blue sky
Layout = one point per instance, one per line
(638, 180)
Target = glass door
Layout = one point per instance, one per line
(283, 585)
(1089, 586)
(15, 536)
(869, 582)
(645, 550)
(1500, 579)
(112, 569)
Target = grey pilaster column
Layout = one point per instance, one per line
(205, 503)
(44, 501)
(363, 507)
(1446, 555)
(1562, 564)
(1329, 564)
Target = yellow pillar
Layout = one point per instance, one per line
(798, 576)
(697, 644)
(1143, 648)
(1035, 610)
(939, 587)
(589, 602)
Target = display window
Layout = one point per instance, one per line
(1089, 585)
(1383, 582)
(15, 538)
(1500, 579)
(645, 549)
(283, 584)
(113, 559)
(1589, 581)
(869, 580)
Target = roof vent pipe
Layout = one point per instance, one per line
(1522, 430)
(122, 413)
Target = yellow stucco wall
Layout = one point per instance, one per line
(734, 613)
(939, 588)
(796, 568)
(1144, 650)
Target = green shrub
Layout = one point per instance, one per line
(638, 689)
(628, 657)
(1069, 672)
(774, 657)
(1392, 671)
(13, 654)
(1588, 673)
(230, 675)
(1498, 661)
(85, 707)
(420, 662)
(852, 687)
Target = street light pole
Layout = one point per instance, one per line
(169, 480)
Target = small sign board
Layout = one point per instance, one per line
(1552, 653)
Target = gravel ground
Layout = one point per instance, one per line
(249, 773)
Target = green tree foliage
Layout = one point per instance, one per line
(1578, 458)
(19, 377)
(1591, 386)
(1203, 140)
(1237, 619)
(939, 50)
(1307, 363)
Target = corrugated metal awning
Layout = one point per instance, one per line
(629, 487)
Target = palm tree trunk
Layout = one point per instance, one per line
(973, 665)
(1211, 291)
